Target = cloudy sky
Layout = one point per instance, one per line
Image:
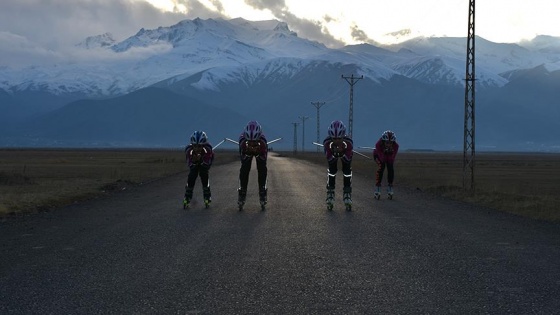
(50, 28)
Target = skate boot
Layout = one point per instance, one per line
(377, 193)
(390, 191)
(207, 196)
(263, 198)
(347, 198)
(330, 198)
(188, 197)
(241, 196)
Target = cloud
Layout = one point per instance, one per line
(329, 18)
(313, 30)
(56, 23)
(272, 5)
(46, 31)
(359, 35)
(43, 31)
(17, 51)
(218, 5)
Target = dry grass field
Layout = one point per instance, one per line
(36, 180)
(526, 184)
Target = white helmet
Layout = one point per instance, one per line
(388, 135)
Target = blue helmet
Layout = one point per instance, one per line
(199, 137)
(253, 130)
(337, 129)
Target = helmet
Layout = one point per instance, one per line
(253, 130)
(388, 135)
(337, 129)
(199, 137)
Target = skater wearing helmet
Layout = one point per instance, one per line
(200, 156)
(252, 143)
(337, 146)
(384, 155)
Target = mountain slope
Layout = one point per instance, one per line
(150, 117)
(218, 74)
(192, 46)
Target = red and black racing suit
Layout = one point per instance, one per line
(199, 159)
(335, 149)
(384, 155)
(247, 150)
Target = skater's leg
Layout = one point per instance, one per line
(262, 178)
(347, 190)
(205, 180)
(379, 173)
(390, 174)
(378, 178)
(331, 181)
(390, 177)
(243, 181)
(191, 180)
(244, 173)
(347, 172)
(193, 174)
(331, 173)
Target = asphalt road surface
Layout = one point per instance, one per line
(139, 252)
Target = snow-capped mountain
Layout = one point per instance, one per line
(264, 68)
(99, 41)
(197, 45)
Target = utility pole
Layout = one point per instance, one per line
(295, 136)
(353, 80)
(318, 105)
(469, 125)
(303, 119)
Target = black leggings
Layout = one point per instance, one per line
(346, 171)
(246, 168)
(381, 169)
(196, 170)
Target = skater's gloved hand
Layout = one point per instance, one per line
(388, 147)
(338, 147)
(196, 154)
(376, 159)
(253, 148)
(197, 158)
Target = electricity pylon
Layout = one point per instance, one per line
(469, 125)
(353, 80)
(303, 119)
(318, 106)
(295, 136)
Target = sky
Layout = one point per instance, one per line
(50, 29)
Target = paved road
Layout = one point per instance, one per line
(138, 252)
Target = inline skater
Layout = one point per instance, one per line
(252, 144)
(384, 154)
(337, 145)
(199, 155)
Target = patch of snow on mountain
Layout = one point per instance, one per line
(104, 40)
(274, 70)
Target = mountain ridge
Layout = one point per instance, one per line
(262, 70)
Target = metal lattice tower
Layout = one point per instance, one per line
(353, 80)
(303, 119)
(295, 136)
(469, 134)
(318, 105)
